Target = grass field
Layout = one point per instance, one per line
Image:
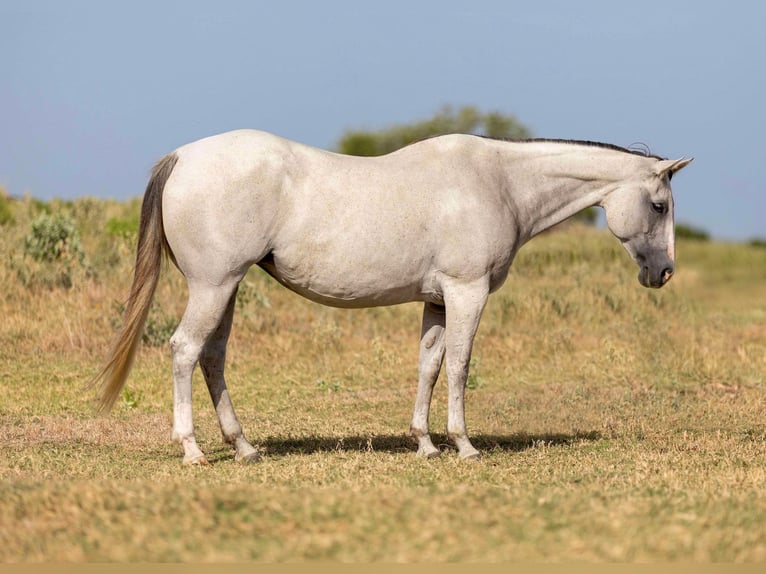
(617, 423)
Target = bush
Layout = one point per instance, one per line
(53, 254)
(6, 215)
(588, 216)
(684, 231)
(53, 238)
(158, 329)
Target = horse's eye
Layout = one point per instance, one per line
(658, 207)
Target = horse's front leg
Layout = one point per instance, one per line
(465, 303)
(429, 364)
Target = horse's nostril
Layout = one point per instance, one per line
(667, 273)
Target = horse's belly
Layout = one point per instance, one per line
(351, 286)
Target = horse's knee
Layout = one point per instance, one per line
(176, 340)
(183, 350)
(177, 345)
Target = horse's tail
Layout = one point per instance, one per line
(152, 245)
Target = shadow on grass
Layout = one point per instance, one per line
(518, 442)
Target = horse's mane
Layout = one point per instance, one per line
(636, 149)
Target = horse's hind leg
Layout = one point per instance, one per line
(212, 361)
(204, 313)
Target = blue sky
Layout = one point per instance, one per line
(92, 93)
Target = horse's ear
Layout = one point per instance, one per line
(671, 166)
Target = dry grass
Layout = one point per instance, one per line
(618, 424)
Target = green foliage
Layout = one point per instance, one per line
(158, 329)
(53, 254)
(53, 238)
(36, 206)
(249, 295)
(588, 216)
(466, 120)
(130, 399)
(757, 242)
(333, 386)
(6, 215)
(685, 231)
(122, 227)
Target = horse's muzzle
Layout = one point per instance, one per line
(649, 278)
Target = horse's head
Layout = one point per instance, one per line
(639, 212)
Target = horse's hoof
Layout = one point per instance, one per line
(471, 456)
(196, 461)
(429, 453)
(248, 458)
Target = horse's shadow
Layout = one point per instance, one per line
(399, 444)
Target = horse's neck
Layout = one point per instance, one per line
(549, 183)
(559, 197)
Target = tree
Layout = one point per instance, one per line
(686, 231)
(465, 120)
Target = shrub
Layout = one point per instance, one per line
(588, 216)
(53, 254)
(158, 328)
(684, 231)
(130, 399)
(53, 238)
(6, 215)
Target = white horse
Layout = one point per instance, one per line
(439, 221)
